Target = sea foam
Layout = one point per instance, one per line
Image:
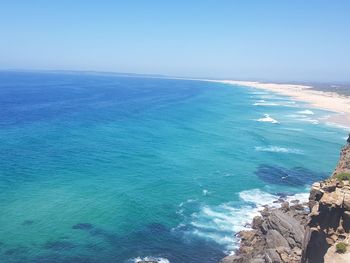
(156, 259)
(277, 149)
(265, 103)
(306, 112)
(267, 118)
(221, 223)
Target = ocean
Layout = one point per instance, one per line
(103, 168)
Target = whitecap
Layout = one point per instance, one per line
(267, 118)
(306, 112)
(265, 103)
(301, 197)
(293, 129)
(156, 259)
(313, 121)
(277, 149)
(305, 118)
(205, 192)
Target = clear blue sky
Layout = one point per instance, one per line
(262, 39)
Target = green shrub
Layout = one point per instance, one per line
(343, 177)
(341, 247)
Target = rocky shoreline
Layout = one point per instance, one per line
(302, 232)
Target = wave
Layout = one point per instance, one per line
(265, 103)
(277, 149)
(221, 223)
(301, 117)
(258, 93)
(267, 118)
(205, 192)
(313, 121)
(151, 259)
(337, 125)
(306, 112)
(293, 129)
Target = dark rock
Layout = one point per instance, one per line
(296, 176)
(315, 246)
(27, 222)
(257, 222)
(83, 226)
(346, 221)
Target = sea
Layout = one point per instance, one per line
(110, 168)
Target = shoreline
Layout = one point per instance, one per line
(303, 231)
(325, 100)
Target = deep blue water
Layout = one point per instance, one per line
(106, 169)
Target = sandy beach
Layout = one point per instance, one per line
(330, 101)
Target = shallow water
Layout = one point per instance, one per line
(115, 169)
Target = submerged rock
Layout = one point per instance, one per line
(83, 226)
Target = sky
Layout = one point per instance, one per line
(296, 40)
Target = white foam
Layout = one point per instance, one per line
(304, 117)
(221, 223)
(205, 192)
(265, 103)
(306, 112)
(157, 259)
(313, 121)
(277, 149)
(258, 93)
(302, 197)
(293, 129)
(267, 118)
(258, 198)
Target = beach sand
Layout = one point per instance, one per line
(327, 100)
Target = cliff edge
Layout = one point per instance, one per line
(313, 232)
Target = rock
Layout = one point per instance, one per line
(233, 258)
(257, 222)
(271, 256)
(346, 222)
(344, 161)
(287, 226)
(247, 235)
(285, 206)
(275, 239)
(291, 234)
(346, 201)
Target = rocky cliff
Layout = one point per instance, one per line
(306, 233)
(329, 219)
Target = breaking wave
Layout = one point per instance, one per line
(277, 149)
(267, 118)
(221, 223)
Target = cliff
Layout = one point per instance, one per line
(329, 219)
(307, 233)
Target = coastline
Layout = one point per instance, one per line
(326, 100)
(303, 231)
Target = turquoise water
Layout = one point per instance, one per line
(100, 168)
